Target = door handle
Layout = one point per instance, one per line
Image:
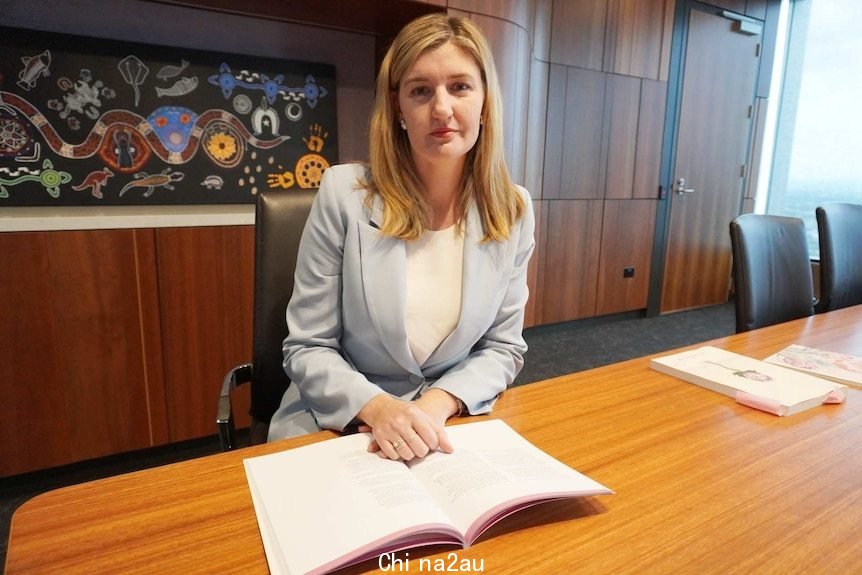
(681, 189)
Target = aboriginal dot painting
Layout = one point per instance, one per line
(86, 121)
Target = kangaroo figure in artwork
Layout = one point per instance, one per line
(144, 180)
(95, 180)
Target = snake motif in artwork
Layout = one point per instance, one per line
(124, 139)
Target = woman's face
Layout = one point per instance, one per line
(440, 100)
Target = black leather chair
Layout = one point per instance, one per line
(280, 217)
(771, 270)
(840, 228)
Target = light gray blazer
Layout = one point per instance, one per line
(346, 321)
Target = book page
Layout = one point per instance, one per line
(493, 472)
(333, 503)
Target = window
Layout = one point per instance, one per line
(817, 154)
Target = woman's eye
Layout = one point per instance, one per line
(461, 87)
(420, 91)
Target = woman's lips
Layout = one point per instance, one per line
(442, 132)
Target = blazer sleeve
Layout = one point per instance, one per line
(329, 385)
(497, 358)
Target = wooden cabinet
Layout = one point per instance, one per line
(206, 277)
(81, 350)
(116, 340)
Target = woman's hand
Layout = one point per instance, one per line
(402, 429)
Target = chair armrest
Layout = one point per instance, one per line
(224, 418)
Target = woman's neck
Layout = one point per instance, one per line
(442, 186)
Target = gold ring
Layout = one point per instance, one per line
(397, 444)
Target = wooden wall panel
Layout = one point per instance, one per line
(622, 102)
(552, 175)
(541, 32)
(578, 33)
(583, 168)
(627, 238)
(571, 260)
(206, 278)
(649, 139)
(635, 37)
(77, 384)
(510, 45)
(537, 115)
(535, 272)
(519, 12)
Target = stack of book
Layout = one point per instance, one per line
(793, 380)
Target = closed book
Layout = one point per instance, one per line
(840, 367)
(751, 382)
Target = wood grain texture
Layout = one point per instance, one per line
(702, 485)
(206, 278)
(628, 228)
(80, 383)
(583, 145)
(578, 33)
(622, 105)
(537, 121)
(712, 147)
(635, 37)
(553, 165)
(510, 45)
(647, 171)
(535, 270)
(571, 259)
(519, 12)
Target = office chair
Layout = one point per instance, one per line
(840, 228)
(280, 217)
(771, 270)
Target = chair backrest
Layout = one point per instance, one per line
(771, 270)
(840, 228)
(279, 220)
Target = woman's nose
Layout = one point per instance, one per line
(442, 105)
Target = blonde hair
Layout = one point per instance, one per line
(393, 174)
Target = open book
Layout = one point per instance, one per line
(750, 381)
(331, 504)
(838, 367)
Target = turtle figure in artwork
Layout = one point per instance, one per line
(145, 180)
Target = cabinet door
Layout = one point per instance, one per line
(82, 376)
(206, 278)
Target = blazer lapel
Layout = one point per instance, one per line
(383, 262)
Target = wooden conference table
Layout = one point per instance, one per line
(703, 485)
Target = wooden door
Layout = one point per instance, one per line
(718, 82)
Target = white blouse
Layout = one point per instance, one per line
(434, 275)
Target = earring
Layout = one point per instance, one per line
(403, 124)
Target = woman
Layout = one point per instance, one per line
(408, 304)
